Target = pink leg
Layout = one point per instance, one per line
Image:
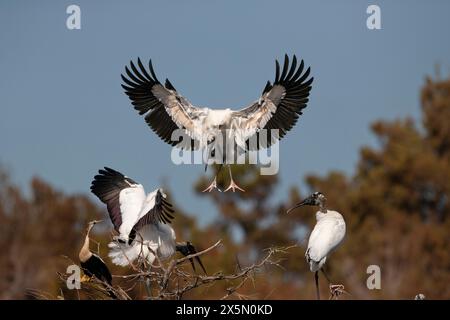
(212, 186)
(233, 186)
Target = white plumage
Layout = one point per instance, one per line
(131, 201)
(327, 235)
(159, 239)
(142, 220)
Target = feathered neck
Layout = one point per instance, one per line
(85, 253)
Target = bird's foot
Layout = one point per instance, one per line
(336, 290)
(85, 278)
(212, 186)
(233, 186)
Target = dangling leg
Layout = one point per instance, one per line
(213, 184)
(85, 278)
(148, 285)
(316, 278)
(326, 276)
(233, 186)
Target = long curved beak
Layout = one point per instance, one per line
(296, 206)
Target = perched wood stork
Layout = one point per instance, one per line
(326, 236)
(223, 133)
(92, 264)
(142, 221)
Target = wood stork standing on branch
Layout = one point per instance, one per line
(92, 264)
(264, 121)
(326, 236)
(142, 220)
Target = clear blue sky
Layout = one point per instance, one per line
(64, 114)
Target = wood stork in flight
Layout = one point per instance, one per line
(256, 126)
(92, 264)
(326, 236)
(142, 220)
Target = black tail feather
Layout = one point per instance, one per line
(188, 249)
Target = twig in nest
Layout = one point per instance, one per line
(244, 274)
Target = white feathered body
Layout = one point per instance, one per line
(159, 239)
(152, 238)
(222, 130)
(212, 124)
(326, 236)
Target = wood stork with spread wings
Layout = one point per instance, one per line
(92, 264)
(326, 236)
(142, 220)
(222, 133)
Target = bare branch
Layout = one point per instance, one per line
(172, 282)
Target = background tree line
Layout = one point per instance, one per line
(396, 205)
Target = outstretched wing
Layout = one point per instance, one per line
(123, 197)
(279, 106)
(155, 210)
(165, 110)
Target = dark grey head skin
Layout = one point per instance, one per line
(316, 199)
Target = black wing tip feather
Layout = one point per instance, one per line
(267, 87)
(107, 178)
(290, 74)
(107, 185)
(137, 85)
(169, 85)
(297, 87)
(108, 173)
(161, 212)
(165, 208)
(110, 170)
(138, 76)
